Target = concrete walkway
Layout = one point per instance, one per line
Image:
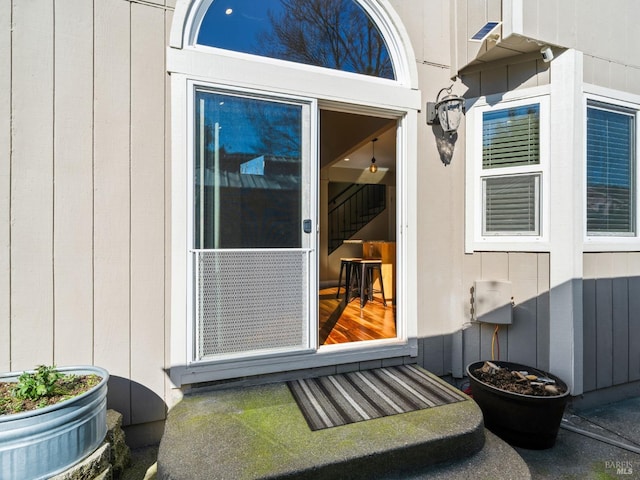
(590, 450)
(259, 432)
(593, 444)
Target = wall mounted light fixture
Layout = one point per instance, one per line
(373, 168)
(446, 112)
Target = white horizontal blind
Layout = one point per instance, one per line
(511, 204)
(511, 137)
(511, 142)
(610, 170)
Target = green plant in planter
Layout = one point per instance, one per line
(39, 384)
(42, 387)
(67, 419)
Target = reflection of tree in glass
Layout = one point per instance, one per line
(327, 33)
(277, 129)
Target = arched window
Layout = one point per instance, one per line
(335, 34)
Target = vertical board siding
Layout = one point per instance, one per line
(634, 328)
(73, 177)
(611, 300)
(5, 185)
(590, 270)
(111, 178)
(521, 341)
(147, 213)
(620, 326)
(495, 80)
(589, 334)
(570, 24)
(542, 313)
(472, 267)
(495, 266)
(432, 354)
(523, 273)
(604, 331)
(167, 209)
(634, 317)
(32, 185)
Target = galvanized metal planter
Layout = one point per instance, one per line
(41, 443)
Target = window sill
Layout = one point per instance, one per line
(611, 244)
(509, 244)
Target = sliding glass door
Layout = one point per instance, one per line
(253, 225)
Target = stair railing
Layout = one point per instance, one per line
(351, 209)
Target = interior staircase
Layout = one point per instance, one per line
(352, 208)
(250, 432)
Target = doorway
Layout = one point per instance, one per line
(357, 246)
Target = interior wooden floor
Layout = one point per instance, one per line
(340, 323)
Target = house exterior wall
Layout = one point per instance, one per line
(448, 339)
(85, 194)
(604, 31)
(525, 341)
(606, 334)
(467, 17)
(84, 162)
(607, 34)
(440, 198)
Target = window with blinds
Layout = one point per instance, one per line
(611, 168)
(511, 137)
(511, 204)
(511, 197)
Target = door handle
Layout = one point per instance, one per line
(306, 225)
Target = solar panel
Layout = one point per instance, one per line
(484, 31)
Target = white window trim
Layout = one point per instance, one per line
(356, 93)
(309, 110)
(612, 242)
(474, 240)
(380, 12)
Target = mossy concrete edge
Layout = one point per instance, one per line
(259, 432)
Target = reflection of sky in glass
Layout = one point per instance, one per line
(329, 33)
(235, 30)
(251, 126)
(247, 172)
(235, 133)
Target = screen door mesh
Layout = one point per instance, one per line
(250, 301)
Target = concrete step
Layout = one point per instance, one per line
(496, 461)
(259, 432)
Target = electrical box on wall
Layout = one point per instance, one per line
(493, 302)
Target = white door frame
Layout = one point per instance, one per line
(338, 90)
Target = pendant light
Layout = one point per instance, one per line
(373, 168)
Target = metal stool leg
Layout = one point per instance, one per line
(340, 279)
(363, 276)
(367, 280)
(353, 269)
(347, 282)
(384, 300)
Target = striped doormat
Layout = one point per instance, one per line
(356, 396)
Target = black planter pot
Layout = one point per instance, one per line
(526, 421)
